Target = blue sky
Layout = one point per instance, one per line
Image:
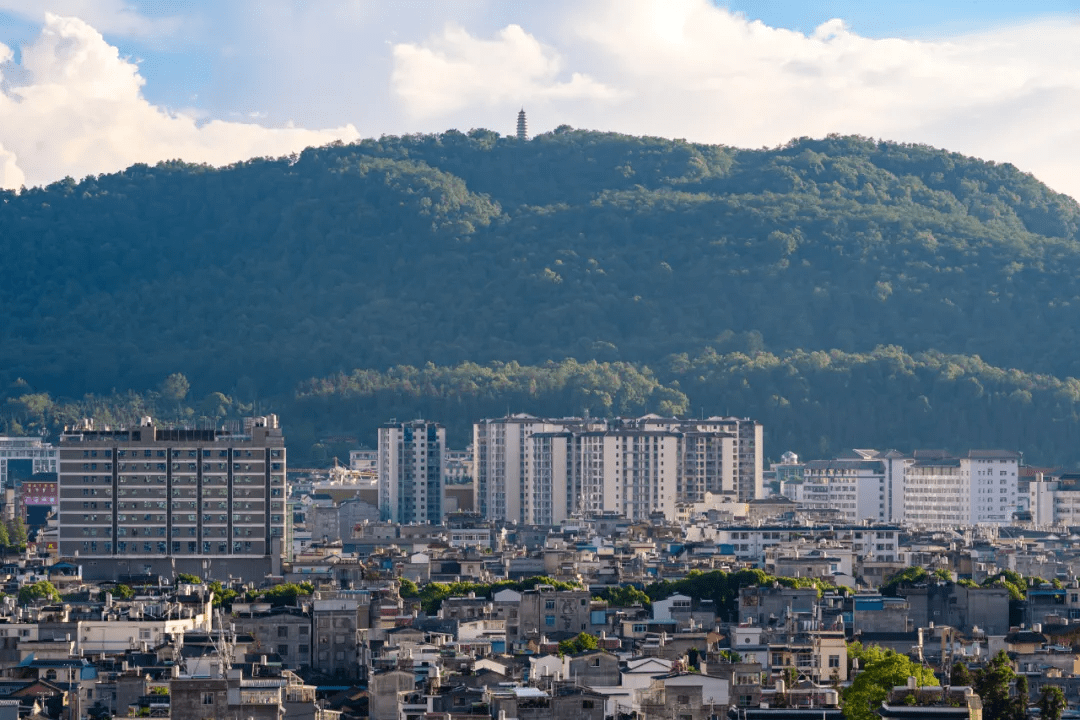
(218, 81)
(910, 18)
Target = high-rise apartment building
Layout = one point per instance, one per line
(549, 482)
(978, 488)
(720, 455)
(629, 472)
(154, 500)
(411, 459)
(502, 460)
(542, 471)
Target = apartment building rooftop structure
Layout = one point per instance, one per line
(148, 500)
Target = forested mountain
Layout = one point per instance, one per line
(778, 283)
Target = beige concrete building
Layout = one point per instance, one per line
(543, 471)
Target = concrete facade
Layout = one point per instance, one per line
(411, 459)
(150, 500)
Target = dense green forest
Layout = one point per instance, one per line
(815, 403)
(845, 291)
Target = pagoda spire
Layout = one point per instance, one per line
(522, 126)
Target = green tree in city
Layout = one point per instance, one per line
(188, 578)
(17, 533)
(223, 597)
(432, 596)
(580, 643)
(959, 675)
(625, 596)
(408, 589)
(41, 590)
(994, 684)
(1051, 703)
(288, 593)
(123, 592)
(880, 671)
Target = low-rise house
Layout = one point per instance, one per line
(285, 631)
(594, 668)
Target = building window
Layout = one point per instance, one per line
(834, 661)
(207, 698)
(549, 620)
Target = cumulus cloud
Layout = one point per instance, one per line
(10, 174)
(687, 68)
(456, 70)
(674, 68)
(78, 109)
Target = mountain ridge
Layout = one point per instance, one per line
(473, 247)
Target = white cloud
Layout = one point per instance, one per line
(81, 112)
(686, 68)
(457, 71)
(673, 68)
(10, 174)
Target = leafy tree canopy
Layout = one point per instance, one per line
(580, 643)
(880, 671)
(1051, 703)
(123, 592)
(722, 588)
(625, 596)
(41, 590)
(287, 594)
(995, 685)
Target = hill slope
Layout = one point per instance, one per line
(476, 248)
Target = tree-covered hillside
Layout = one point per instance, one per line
(816, 403)
(663, 259)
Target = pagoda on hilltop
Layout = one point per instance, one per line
(522, 126)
